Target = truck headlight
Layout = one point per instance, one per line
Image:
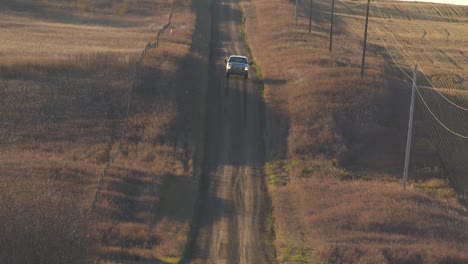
(246, 68)
(228, 67)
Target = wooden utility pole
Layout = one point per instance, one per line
(365, 41)
(410, 128)
(310, 16)
(331, 25)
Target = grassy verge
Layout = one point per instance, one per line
(269, 219)
(258, 70)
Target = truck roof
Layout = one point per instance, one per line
(238, 56)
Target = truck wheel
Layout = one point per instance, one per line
(227, 75)
(246, 76)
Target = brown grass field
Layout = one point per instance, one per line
(79, 131)
(335, 154)
(72, 115)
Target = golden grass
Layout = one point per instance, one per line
(26, 37)
(321, 116)
(30, 36)
(366, 222)
(432, 38)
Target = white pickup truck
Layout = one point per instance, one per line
(237, 65)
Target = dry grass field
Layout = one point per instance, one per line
(78, 129)
(435, 41)
(98, 147)
(335, 154)
(433, 37)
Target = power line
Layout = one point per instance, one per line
(437, 119)
(448, 141)
(417, 62)
(417, 89)
(446, 144)
(386, 47)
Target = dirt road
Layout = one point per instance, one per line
(231, 228)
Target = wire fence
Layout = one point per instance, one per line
(442, 105)
(137, 69)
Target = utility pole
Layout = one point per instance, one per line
(310, 16)
(331, 25)
(365, 41)
(410, 128)
(295, 13)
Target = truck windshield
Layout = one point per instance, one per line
(238, 59)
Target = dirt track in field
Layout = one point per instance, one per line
(231, 228)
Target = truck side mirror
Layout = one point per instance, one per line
(225, 61)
